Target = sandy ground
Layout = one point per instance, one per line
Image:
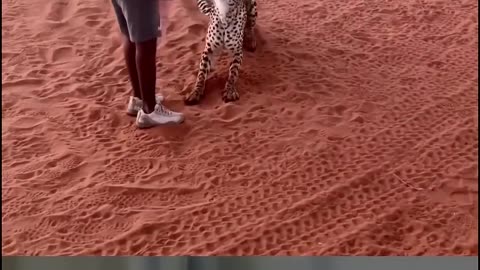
(356, 134)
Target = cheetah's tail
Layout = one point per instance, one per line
(204, 6)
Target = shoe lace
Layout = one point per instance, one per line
(161, 109)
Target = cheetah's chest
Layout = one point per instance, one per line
(222, 9)
(229, 24)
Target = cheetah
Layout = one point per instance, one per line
(231, 27)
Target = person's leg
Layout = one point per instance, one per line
(147, 73)
(135, 102)
(128, 49)
(143, 21)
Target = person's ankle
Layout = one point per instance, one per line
(148, 109)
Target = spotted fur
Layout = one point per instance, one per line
(231, 27)
(204, 6)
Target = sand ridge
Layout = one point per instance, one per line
(355, 134)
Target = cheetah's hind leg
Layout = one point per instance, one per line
(207, 63)
(249, 38)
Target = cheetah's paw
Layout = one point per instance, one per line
(193, 98)
(230, 95)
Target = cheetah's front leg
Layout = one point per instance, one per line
(207, 62)
(249, 39)
(230, 92)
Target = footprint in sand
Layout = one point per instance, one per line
(93, 20)
(59, 10)
(61, 54)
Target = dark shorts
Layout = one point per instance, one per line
(139, 20)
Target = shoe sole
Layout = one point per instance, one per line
(146, 126)
(132, 113)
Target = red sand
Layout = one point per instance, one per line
(356, 133)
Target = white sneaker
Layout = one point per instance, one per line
(135, 104)
(159, 116)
